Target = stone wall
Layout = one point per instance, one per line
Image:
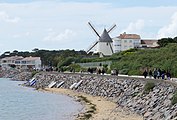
(15, 74)
(125, 91)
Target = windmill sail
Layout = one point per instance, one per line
(111, 28)
(92, 46)
(94, 29)
(111, 48)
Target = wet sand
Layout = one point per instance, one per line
(102, 108)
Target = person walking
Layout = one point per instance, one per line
(168, 75)
(145, 73)
(150, 74)
(155, 74)
(158, 73)
(163, 74)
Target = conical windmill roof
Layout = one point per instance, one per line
(105, 37)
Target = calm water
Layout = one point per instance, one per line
(21, 103)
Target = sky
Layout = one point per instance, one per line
(63, 24)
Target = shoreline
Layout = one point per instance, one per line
(96, 108)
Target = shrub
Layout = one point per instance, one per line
(83, 69)
(123, 71)
(149, 86)
(33, 73)
(174, 98)
(108, 71)
(66, 62)
(76, 67)
(134, 72)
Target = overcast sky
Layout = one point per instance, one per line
(62, 24)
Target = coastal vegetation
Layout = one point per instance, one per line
(134, 62)
(165, 41)
(174, 98)
(149, 87)
(33, 73)
(89, 111)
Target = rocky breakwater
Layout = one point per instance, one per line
(150, 98)
(15, 74)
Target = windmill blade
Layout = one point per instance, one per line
(93, 29)
(92, 46)
(110, 29)
(111, 48)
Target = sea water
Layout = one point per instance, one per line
(22, 103)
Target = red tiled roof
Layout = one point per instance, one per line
(13, 58)
(31, 58)
(129, 36)
(148, 42)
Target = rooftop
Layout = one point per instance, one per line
(105, 37)
(129, 36)
(13, 58)
(149, 41)
(31, 58)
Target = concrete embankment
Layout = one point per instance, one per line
(127, 92)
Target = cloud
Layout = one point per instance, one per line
(60, 37)
(27, 34)
(36, 17)
(169, 30)
(16, 36)
(21, 35)
(134, 27)
(6, 18)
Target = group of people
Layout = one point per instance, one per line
(157, 74)
(97, 70)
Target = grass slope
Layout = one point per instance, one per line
(133, 62)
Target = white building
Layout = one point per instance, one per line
(21, 63)
(10, 61)
(126, 41)
(117, 43)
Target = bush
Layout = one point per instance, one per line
(75, 67)
(174, 98)
(134, 72)
(65, 62)
(84, 69)
(149, 86)
(34, 73)
(123, 71)
(108, 71)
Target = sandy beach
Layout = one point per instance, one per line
(97, 107)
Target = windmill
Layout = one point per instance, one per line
(103, 45)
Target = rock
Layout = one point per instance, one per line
(147, 114)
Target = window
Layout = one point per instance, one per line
(17, 62)
(23, 62)
(117, 45)
(4, 61)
